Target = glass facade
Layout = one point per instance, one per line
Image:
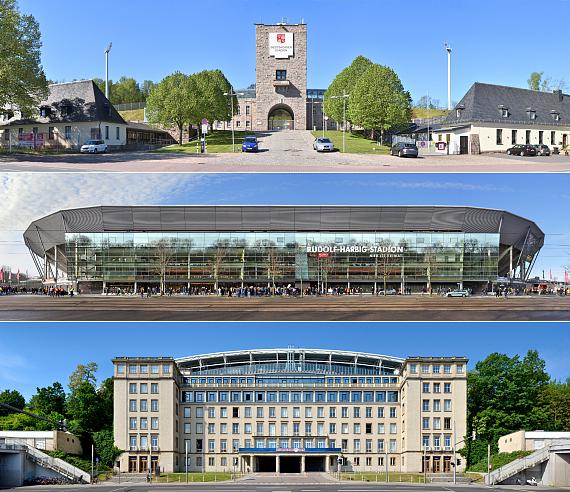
(283, 257)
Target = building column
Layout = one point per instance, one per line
(327, 463)
(55, 260)
(136, 287)
(277, 465)
(303, 464)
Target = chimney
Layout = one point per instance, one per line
(560, 95)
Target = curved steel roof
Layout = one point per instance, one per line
(47, 232)
(283, 355)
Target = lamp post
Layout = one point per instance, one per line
(107, 70)
(448, 49)
(232, 94)
(344, 98)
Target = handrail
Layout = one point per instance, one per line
(55, 464)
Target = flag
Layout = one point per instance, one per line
(565, 276)
(1, 275)
(18, 275)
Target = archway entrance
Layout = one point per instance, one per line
(281, 118)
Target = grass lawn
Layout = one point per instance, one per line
(133, 114)
(217, 142)
(381, 477)
(424, 113)
(355, 143)
(197, 477)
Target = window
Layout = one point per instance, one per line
(332, 428)
(238, 123)
(447, 423)
(247, 110)
(392, 412)
(211, 428)
(133, 442)
(154, 423)
(505, 112)
(425, 369)
(144, 423)
(166, 369)
(259, 412)
(437, 405)
(531, 114)
(259, 429)
(154, 406)
(527, 138)
(211, 412)
(247, 428)
(392, 449)
(413, 368)
(133, 423)
(238, 110)
(356, 412)
(280, 74)
(380, 412)
(247, 412)
(499, 136)
(437, 387)
(118, 133)
(187, 428)
(425, 387)
(447, 405)
(380, 445)
(380, 428)
(154, 388)
(447, 369)
(344, 412)
(199, 428)
(284, 412)
(132, 405)
(132, 388)
(356, 445)
(50, 133)
(296, 412)
(393, 428)
(447, 387)
(436, 368)
(425, 405)
(144, 405)
(425, 423)
(513, 137)
(356, 428)
(308, 412)
(106, 132)
(436, 423)
(540, 137)
(223, 428)
(553, 138)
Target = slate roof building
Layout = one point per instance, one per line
(73, 113)
(492, 118)
(369, 247)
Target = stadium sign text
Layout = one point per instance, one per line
(355, 248)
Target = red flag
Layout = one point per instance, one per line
(565, 276)
(1, 275)
(18, 275)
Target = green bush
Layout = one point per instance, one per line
(498, 460)
(77, 461)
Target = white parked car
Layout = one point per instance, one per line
(94, 146)
(323, 144)
(458, 293)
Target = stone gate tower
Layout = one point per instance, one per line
(281, 76)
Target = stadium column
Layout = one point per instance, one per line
(277, 464)
(303, 464)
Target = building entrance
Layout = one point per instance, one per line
(315, 463)
(281, 118)
(290, 464)
(266, 464)
(463, 144)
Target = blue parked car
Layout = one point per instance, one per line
(249, 144)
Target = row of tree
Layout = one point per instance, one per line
(507, 394)
(86, 409)
(126, 90)
(538, 82)
(181, 99)
(377, 100)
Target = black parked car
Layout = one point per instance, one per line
(522, 149)
(542, 149)
(402, 149)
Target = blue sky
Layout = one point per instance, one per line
(492, 41)
(543, 198)
(58, 348)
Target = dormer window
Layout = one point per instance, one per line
(66, 109)
(555, 115)
(45, 111)
(531, 113)
(459, 110)
(504, 111)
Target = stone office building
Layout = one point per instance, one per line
(279, 100)
(290, 411)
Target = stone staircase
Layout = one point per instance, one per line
(448, 478)
(55, 464)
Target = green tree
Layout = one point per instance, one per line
(503, 396)
(126, 90)
(105, 447)
(173, 101)
(378, 101)
(13, 398)
(83, 373)
(22, 78)
(535, 80)
(84, 410)
(49, 399)
(343, 83)
(209, 99)
(146, 87)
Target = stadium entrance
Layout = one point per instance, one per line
(281, 118)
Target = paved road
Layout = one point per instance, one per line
(290, 486)
(345, 308)
(288, 151)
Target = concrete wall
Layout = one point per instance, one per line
(514, 441)
(557, 470)
(11, 469)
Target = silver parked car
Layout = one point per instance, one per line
(402, 149)
(94, 146)
(458, 293)
(323, 144)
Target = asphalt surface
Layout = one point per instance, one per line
(288, 151)
(289, 486)
(330, 308)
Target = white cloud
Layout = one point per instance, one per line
(431, 185)
(29, 196)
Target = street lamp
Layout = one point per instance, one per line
(107, 70)
(448, 49)
(344, 98)
(232, 94)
